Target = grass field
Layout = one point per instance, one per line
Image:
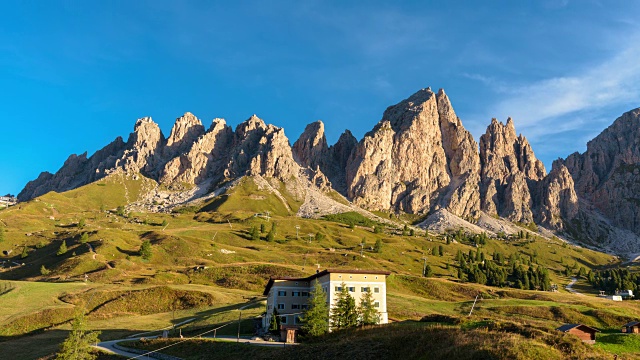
(204, 266)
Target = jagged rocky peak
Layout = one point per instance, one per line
(509, 170)
(204, 160)
(502, 153)
(405, 162)
(310, 150)
(185, 131)
(559, 201)
(607, 175)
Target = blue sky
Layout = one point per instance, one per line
(75, 75)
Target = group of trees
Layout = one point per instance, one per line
(614, 279)
(475, 267)
(256, 232)
(345, 313)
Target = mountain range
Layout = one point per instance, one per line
(418, 159)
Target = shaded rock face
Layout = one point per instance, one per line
(407, 162)
(607, 175)
(559, 201)
(509, 174)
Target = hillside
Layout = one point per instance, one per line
(205, 264)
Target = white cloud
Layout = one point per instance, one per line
(576, 99)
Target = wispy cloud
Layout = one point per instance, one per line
(577, 100)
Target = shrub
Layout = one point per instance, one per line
(63, 248)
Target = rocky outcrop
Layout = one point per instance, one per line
(260, 149)
(418, 158)
(509, 172)
(310, 150)
(203, 160)
(559, 202)
(184, 133)
(607, 175)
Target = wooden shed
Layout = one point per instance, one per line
(631, 328)
(586, 333)
(289, 334)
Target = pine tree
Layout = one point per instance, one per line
(378, 246)
(271, 236)
(411, 232)
(405, 230)
(44, 270)
(81, 223)
(77, 346)
(441, 250)
(254, 233)
(274, 326)
(63, 248)
(369, 315)
(428, 271)
(344, 313)
(315, 320)
(25, 252)
(84, 238)
(145, 250)
(263, 228)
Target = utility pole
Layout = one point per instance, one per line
(297, 228)
(310, 238)
(239, 321)
(424, 267)
(361, 248)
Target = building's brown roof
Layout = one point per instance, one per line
(567, 327)
(322, 273)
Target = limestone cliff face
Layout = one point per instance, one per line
(607, 175)
(310, 150)
(184, 133)
(260, 149)
(559, 201)
(419, 157)
(203, 160)
(509, 172)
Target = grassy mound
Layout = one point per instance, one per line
(249, 277)
(400, 341)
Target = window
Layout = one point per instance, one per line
(282, 293)
(305, 307)
(364, 289)
(340, 276)
(376, 290)
(376, 304)
(296, 284)
(269, 307)
(296, 320)
(283, 319)
(376, 278)
(352, 289)
(280, 306)
(350, 276)
(338, 288)
(295, 293)
(365, 276)
(295, 306)
(305, 293)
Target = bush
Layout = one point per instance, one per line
(44, 270)
(63, 248)
(145, 250)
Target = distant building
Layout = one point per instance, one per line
(289, 295)
(586, 333)
(625, 293)
(631, 327)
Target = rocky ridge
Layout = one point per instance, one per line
(418, 159)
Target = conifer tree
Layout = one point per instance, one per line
(77, 346)
(315, 320)
(254, 233)
(369, 315)
(344, 313)
(145, 250)
(378, 246)
(63, 248)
